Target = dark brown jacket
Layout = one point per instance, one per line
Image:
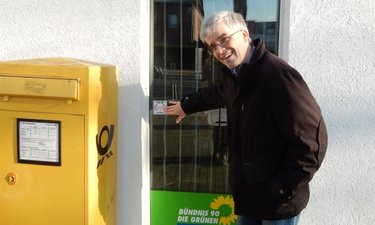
(277, 136)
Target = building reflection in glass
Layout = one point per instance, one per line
(192, 156)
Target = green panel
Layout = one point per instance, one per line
(178, 208)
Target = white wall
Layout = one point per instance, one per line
(331, 44)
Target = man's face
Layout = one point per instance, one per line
(228, 46)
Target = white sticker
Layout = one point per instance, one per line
(159, 106)
(39, 141)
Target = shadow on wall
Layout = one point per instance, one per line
(132, 105)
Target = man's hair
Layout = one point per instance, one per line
(231, 19)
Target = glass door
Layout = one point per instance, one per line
(191, 157)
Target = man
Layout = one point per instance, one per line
(277, 136)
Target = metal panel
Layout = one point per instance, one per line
(39, 87)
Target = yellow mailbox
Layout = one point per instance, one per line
(58, 135)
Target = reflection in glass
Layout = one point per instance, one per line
(192, 156)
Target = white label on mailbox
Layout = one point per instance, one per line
(39, 141)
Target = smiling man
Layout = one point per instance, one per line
(277, 136)
(229, 50)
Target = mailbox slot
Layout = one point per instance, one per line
(56, 88)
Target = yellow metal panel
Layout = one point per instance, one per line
(106, 171)
(43, 194)
(39, 87)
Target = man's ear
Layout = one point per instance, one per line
(245, 35)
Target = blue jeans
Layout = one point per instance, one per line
(245, 220)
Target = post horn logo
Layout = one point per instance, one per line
(104, 151)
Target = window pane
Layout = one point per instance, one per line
(192, 156)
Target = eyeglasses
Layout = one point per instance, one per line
(222, 42)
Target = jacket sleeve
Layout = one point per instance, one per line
(300, 122)
(205, 99)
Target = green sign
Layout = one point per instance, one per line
(182, 208)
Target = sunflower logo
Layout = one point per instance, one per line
(225, 205)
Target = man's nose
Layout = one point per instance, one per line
(219, 49)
